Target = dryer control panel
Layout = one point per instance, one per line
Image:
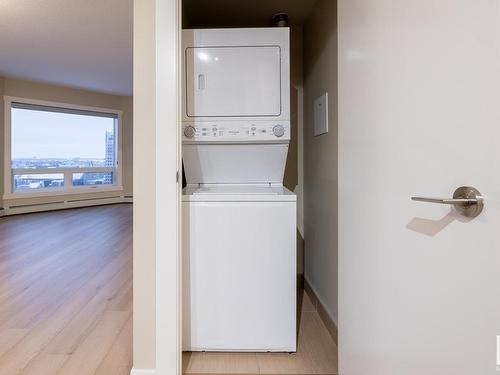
(236, 131)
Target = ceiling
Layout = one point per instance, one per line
(88, 43)
(78, 43)
(242, 13)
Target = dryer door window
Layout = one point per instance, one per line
(233, 81)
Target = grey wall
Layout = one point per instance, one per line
(320, 156)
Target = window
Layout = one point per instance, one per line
(60, 149)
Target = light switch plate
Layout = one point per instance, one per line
(321, 115)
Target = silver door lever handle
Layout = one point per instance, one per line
(446, 201)
(467, 200)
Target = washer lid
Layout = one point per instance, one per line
(228, 193)
(243, 163)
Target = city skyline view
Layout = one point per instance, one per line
(91, 140)
(54, 135)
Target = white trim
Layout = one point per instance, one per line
(7, 162)
(16, 210)
(62, 170)
(168, 189)
(156, 103)
(57, 191)
(67, 190)
(139, 371)
(117, 180)
(46, 103)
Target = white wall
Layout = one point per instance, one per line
(320, 155)
(145, 194)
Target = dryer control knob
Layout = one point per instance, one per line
(279, 130)
(189, 131)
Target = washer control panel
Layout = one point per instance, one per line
(233, 131)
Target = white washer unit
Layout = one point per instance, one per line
(239, 222)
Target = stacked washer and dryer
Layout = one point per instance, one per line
(239, 221)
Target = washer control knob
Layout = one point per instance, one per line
(279, 131)
(189, 131)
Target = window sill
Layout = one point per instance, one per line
(62, 192)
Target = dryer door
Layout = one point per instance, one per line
(233, 81)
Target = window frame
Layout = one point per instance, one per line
(68, 188)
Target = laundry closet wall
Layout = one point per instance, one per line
(320, 156)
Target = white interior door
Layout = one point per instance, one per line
(419, 114)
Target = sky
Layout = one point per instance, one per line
(42, 134)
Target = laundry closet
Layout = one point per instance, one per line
(250, 133)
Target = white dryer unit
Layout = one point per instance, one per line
(239, 222)
(236, 75)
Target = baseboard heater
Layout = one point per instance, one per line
(62, 205)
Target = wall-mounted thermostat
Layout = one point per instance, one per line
(321, 115)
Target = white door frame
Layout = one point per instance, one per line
(168, 189)
(157, 272)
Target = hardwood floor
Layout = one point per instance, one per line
(66, 292)
(316, 353)
(66, 303)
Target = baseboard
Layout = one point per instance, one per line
(63, 205)
(330, 324)
(138, 371)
